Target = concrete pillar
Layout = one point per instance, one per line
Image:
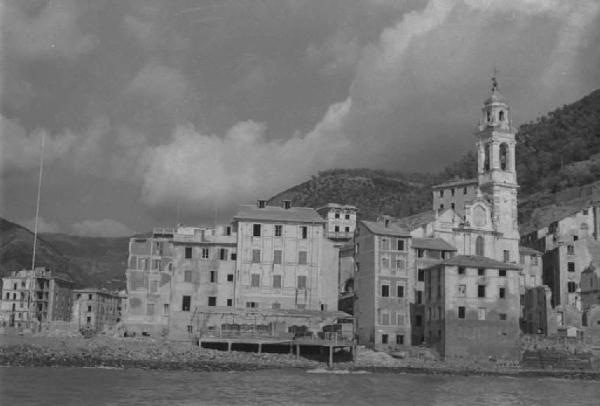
(330, 356)
(259, 348)
(229, 345)
(297, 351)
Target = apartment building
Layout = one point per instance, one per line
(96, 309)
(340, 221)
(34, 299)
(284, 261)
(472, 308)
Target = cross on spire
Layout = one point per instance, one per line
(494, 80)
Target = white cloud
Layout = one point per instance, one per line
(101, 228)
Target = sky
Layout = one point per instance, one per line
(154, 112)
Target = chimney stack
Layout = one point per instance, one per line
(287, 204)
(261, 204)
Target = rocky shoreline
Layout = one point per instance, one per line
(143, 353)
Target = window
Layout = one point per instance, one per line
(213, 276)
(347, 217)
(255, 256)
(277, 257)
(190, 329)
(461, 312)
(302, 258)
(233, 256)
(400, 245)
(205, 253)
(337, 215)
(255, 280)
(464, 191)
(575, 238)
(384, 339)
(506, 256)
(534, 260)
(229, 302)
(418, 320)
(441, 207)
(186, 303)
(481, 313)
(481, 291)
(277, 281)
(419, 296)
(385, 290)
(585, 212)
(276, 306)
(503, 150)
(502, 316)
(301, 282)
(187, 276)
(90, 296)
(502, 273)
(278, 230)
(421, 275)
(150, 309)
(223, 254)
(385, 263)
(399, 339)
(188, 252)
(337, 229)
(165, 309)
(88, 320)
(522, 259)
(570, 250)
(502, 293)
(256, 230)
(399, 264)
(212, 301)
(420, 253)
(571, 266)
(347, 229)
(229, 277)
(442, 193)
(153, 286)
(400, 290)
(461, 270)
(481, 272)
(462, 290)
(385, 319)
(479, 246)
(304, 230)
(486, 160)
(385, 244)
(571, 287)
(453, 205)
(452, 191)
(89, 309)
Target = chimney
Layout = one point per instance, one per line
(287, 204)
(261, 204)
(387, 223)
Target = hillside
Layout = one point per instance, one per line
(558, 163)
(103, 259)
(16, 249)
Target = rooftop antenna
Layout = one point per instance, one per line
(37, 207)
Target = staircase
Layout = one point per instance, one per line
(552, 359)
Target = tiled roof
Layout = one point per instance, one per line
(416, 220)
(457, 182)
(276, 213)
(380, 229)
(432, 244)
(528, 251)
(542, 217)
(475, 261)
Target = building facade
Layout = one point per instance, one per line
(96, 309)
(340, 221)
(284, 261)
(34, 298)
(472, 308)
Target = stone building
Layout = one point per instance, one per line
(538, 317)
(96, 309)
(382, 284)
(454, 195)
(203, 278)
(340, 221)
(149, 273)
(284, 261)
(472, 308)
(35, 299)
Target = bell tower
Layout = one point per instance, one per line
(496, 169)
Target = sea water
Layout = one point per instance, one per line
(96, 386)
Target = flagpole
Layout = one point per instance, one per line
(37, 207)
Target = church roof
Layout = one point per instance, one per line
(379, 228)
(456, 182)
(476, 261)
(495, 97)
(276, 213)
(416, 220)
(432, 244)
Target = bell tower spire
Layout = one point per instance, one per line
(496, 168)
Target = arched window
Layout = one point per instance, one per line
(479, 246)
(501, 115)
(503, 156)
(486, 161)
(489, 116)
